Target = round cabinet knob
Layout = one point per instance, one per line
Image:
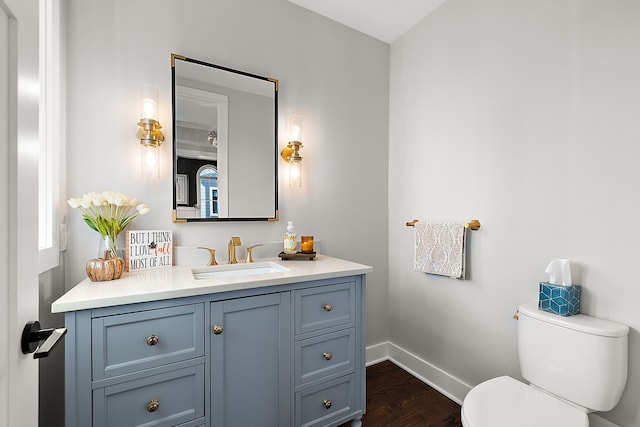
(152, 340)
(327, 404)
(153, 405)
(327, 307)
(217, 329)
(327, 355)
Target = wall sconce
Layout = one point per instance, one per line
(149, 134)
(291, 153)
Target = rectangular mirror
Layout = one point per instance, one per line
(225, 143)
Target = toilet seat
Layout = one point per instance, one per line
(507, 402)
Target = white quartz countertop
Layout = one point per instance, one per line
(178, 281)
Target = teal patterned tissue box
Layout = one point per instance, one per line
(558, 299)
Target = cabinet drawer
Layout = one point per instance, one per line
(131, 342)
(324, 355)
(178, 397)
(324, 403)
(324, 307)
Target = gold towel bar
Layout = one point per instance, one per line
(474, 224)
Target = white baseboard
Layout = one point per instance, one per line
(433, 376)
(377, 353)
(442, 381)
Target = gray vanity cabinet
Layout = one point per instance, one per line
(288, 355)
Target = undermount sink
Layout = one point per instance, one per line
(237, 270)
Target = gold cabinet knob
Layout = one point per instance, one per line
(327, 307)
(217, 329)
(327, 355)
(517, 315)
(152, 340)
(327, 403)
(153, 405)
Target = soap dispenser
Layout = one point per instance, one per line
(290, 243)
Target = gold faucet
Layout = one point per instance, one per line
(233, 242)
(212, 255)
(250, 252)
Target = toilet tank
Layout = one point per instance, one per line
(579, 358)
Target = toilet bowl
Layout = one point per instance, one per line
(507, 402)
(574, 365)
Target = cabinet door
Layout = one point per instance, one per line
(251, 361)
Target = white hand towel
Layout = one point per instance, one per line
(440, 249)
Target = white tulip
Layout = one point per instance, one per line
(142, 209)
(112, 211)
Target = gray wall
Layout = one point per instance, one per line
(336, 78)
(523, 114)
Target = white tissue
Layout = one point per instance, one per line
(559, 268)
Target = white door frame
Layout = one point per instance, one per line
(4, 217)
(19, 372)
(221, 103)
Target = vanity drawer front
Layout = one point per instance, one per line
(324, 307)
(166, 399)
(318, 406)
(324, 355)
(131, 342)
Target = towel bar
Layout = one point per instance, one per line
(474, 224)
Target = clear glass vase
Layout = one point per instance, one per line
(109, 265)
(108, 248)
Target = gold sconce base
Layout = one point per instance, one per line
(286, 152)
(291, 153)
(150, 133)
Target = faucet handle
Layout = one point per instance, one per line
(212, 255)
(250, 252)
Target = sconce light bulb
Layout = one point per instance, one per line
(149, 109)
(149, 102)
(295, 128)
(150, 159)
(295, 170)
(295, 174)
(296, 132)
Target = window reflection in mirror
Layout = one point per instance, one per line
(208, 191)
(225, 143)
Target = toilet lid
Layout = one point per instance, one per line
(506, 402)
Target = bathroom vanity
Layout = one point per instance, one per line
(279, 344)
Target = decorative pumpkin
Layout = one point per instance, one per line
(101, 269)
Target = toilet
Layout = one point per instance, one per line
(574, 365)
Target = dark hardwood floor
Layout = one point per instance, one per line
(397, 399)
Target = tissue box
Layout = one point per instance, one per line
(558, 299)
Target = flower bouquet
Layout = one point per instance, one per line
(108, 213)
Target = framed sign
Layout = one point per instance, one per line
(147, 249)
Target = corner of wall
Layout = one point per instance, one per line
(442, 381)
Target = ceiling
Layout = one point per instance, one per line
(385, 20)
